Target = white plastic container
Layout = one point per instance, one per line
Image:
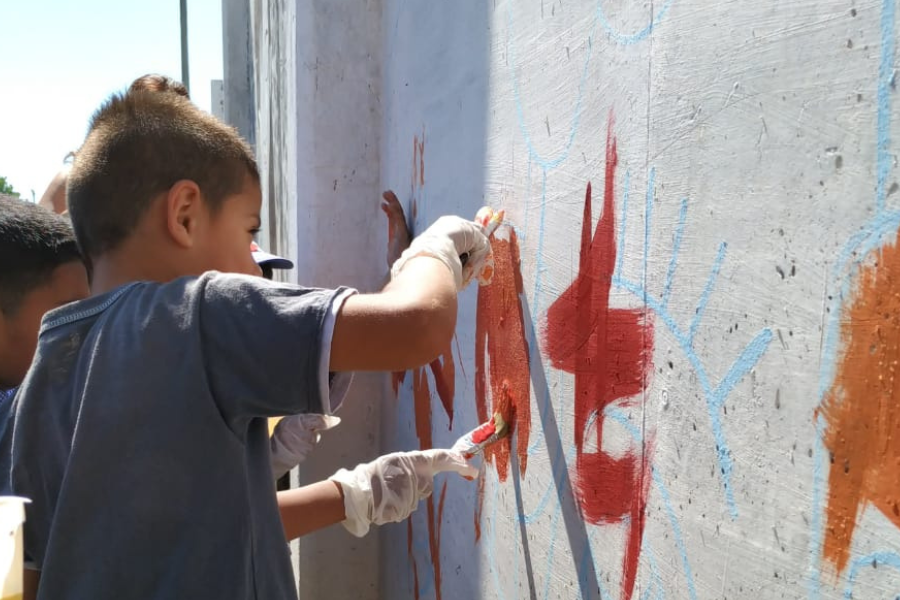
(12, 515)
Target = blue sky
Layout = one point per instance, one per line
(61, 58)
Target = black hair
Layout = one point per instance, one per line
(33, 243)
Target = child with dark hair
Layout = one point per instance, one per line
(152, 479)
(40, 269)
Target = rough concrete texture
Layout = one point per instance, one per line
(694, 327)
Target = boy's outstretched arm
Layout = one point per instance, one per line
(386, 490)
(411, 321)
(310, 508)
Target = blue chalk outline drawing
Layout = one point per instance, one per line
(638, 36)
(873, 235)
(715, 396)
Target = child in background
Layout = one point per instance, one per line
(295, 436)
(151, 480)
(40, 269)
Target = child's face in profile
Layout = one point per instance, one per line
(19, 331)
(225, 245)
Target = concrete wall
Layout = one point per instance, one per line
(694, 324)
(315, 71)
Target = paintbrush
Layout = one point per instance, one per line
(490, 220)
(481, 437)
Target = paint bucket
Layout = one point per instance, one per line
(12, 515)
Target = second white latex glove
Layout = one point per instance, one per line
(388, 489)
(295, 437)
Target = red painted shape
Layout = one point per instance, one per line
(609, 351)
(500, 335)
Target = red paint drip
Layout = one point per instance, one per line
(479, 504)
(444, 371)
(500, 334)
(396, 379)
(412, 557)
(434, 538)
(608, 350)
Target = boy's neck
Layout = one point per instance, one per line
(122, 267)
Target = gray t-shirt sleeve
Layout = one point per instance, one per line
(263, 344)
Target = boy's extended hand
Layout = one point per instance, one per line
(448, 239)
(295, 437)
(389, 488)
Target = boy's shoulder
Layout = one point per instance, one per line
(215, 294)
(150, 295)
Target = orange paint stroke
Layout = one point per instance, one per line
(418, 161)
(500, 340)
(421, 143)
(861, 410)
(413, 177)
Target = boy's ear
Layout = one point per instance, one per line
(184, 207)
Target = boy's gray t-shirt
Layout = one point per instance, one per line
(139, 435)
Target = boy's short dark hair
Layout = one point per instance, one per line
(153, 82)
(139, 144)
(33, 243)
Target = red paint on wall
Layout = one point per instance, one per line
(500, 341)
(608, 350)
(443, 370)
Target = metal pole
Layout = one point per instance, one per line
(185, 74)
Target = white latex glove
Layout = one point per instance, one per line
(390, 487)
(447, 240)
(294, 437)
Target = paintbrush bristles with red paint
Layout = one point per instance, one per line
(482, 436)
(489, 220)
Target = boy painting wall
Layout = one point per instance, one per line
(152, 478)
